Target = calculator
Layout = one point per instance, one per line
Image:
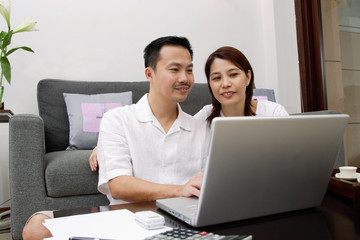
(189, 234)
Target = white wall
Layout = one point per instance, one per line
(84, 40)
(103, 41)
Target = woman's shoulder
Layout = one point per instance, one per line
(270, 109)
(204, 113)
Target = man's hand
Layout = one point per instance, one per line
(93, 160)
(192, 187)
(133, 189)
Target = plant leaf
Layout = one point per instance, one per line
(2, 35)
(7, 39)
(6, 69)
(27, 49)
(14, 49)
(1, 93)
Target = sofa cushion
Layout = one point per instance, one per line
(85, 113)
(67, 173)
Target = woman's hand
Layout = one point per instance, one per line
(93, 160)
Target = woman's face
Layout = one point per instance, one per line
(228, 82)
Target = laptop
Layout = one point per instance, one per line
(259, 166)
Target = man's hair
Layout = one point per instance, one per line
(152, 51)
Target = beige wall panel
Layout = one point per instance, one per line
(350, 50)
(350, 77)
(334, 86)
(351, 81)
(329, 14)
(352, 149)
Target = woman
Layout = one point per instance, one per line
(231, 81)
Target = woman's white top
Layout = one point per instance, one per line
(264, 109)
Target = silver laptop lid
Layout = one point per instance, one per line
(259, 166)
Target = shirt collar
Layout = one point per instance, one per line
(144, 114)
(184, 119)
(143, 110)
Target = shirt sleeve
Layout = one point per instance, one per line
(280, 111)
(204, 113)
(270, 109)
(113, 152)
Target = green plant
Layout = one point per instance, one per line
(5, 40)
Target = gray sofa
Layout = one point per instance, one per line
(43, 175)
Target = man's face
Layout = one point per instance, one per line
(173, 78)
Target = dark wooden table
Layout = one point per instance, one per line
(346, 188)
(334, 219)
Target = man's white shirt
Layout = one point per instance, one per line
(132, 142)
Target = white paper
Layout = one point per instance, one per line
(116, 224)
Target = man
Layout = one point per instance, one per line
(152, 149)
(146, 150)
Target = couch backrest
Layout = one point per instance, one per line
(52, 107)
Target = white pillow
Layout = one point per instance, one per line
(85, 113)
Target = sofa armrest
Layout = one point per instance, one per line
(26, 156)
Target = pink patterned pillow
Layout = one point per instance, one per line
(93, 113)
(260, 97)
(85, 113)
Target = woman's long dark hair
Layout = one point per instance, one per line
(239, 60)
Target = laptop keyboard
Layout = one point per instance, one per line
(189, 234)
